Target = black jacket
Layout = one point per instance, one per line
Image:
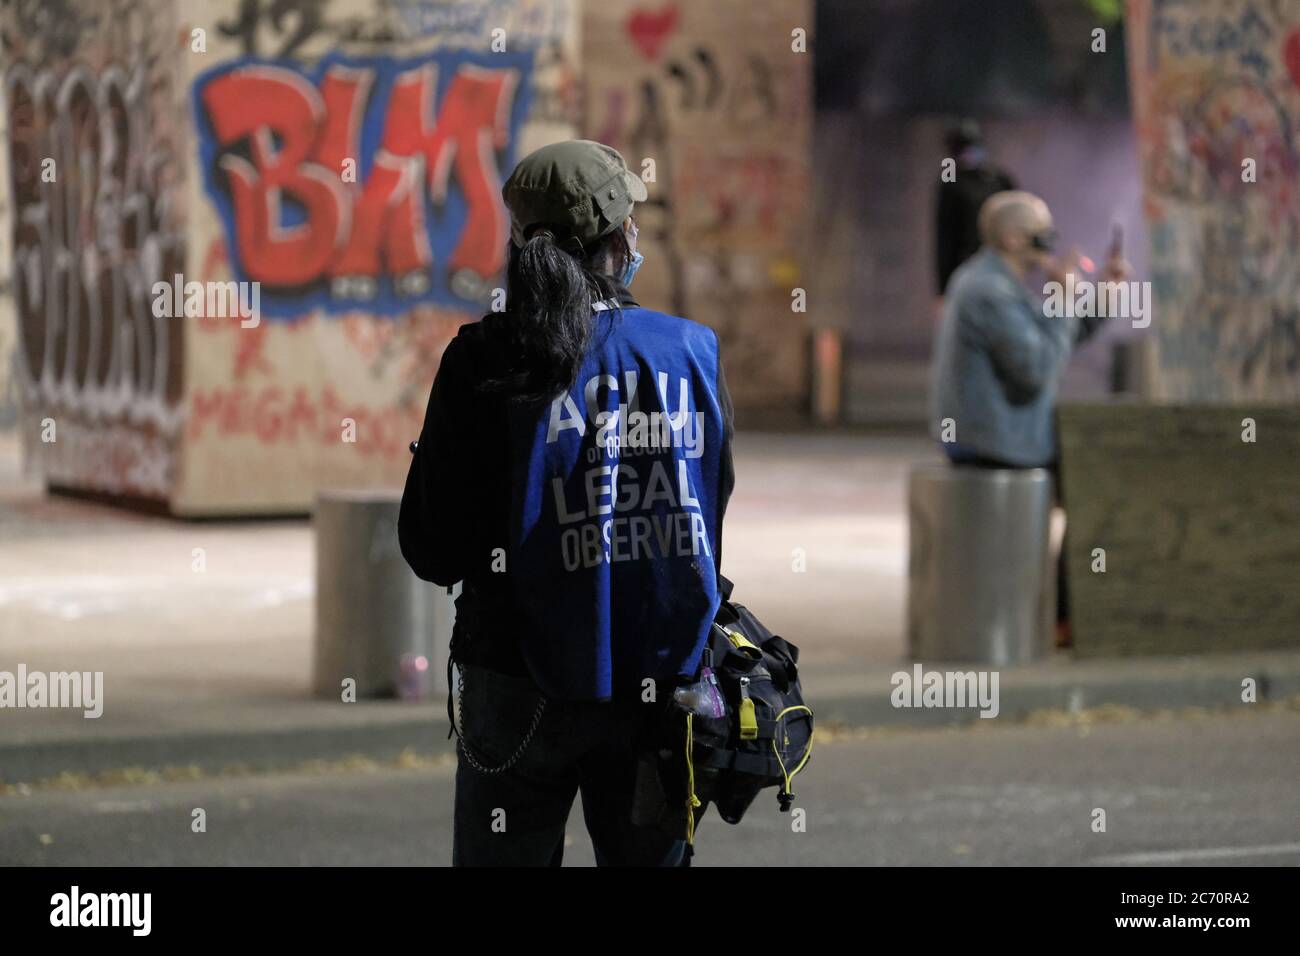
(957, 236)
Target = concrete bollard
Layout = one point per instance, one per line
(372, 613)
(981, 583)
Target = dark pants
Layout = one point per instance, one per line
(962, 456)
(517, 817)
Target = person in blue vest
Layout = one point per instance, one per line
(573, 472)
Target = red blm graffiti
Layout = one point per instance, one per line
(420, 219)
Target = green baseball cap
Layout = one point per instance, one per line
(578, 187)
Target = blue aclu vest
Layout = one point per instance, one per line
(615, 528)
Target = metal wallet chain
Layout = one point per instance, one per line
(464, 743)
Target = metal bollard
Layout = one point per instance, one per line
(981, 583)
(375, 619)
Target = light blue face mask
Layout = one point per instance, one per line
(630, 272)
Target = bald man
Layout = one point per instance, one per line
(999, 355)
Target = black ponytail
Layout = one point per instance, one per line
(550, 293)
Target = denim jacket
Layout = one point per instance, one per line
(996, 364)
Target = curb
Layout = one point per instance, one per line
(1020, 700)
(224, 752)
(1196, 683)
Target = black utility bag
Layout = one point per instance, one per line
(763, 740)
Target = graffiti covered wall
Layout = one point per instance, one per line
(333, 164)
(93, 102)
(1216, 91)
(714, 95)
(326, 175)
(389, 127)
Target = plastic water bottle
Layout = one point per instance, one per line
(704, 697)
(413, 677)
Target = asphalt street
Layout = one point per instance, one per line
(1179, 790)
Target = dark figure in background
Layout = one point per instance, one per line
(957, 225)
(999, 355)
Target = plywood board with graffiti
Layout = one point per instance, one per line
(712, 102)
(1216, 92)
(391, 128)
(93, 97)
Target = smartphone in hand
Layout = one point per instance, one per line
(1116, 250)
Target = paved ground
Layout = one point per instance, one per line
(89, 588)
(1179, 791)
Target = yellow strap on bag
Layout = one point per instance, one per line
(743, 644)
(748, 719)
(692, 801)
(788, 775)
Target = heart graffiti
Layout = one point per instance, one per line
(650, 30)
